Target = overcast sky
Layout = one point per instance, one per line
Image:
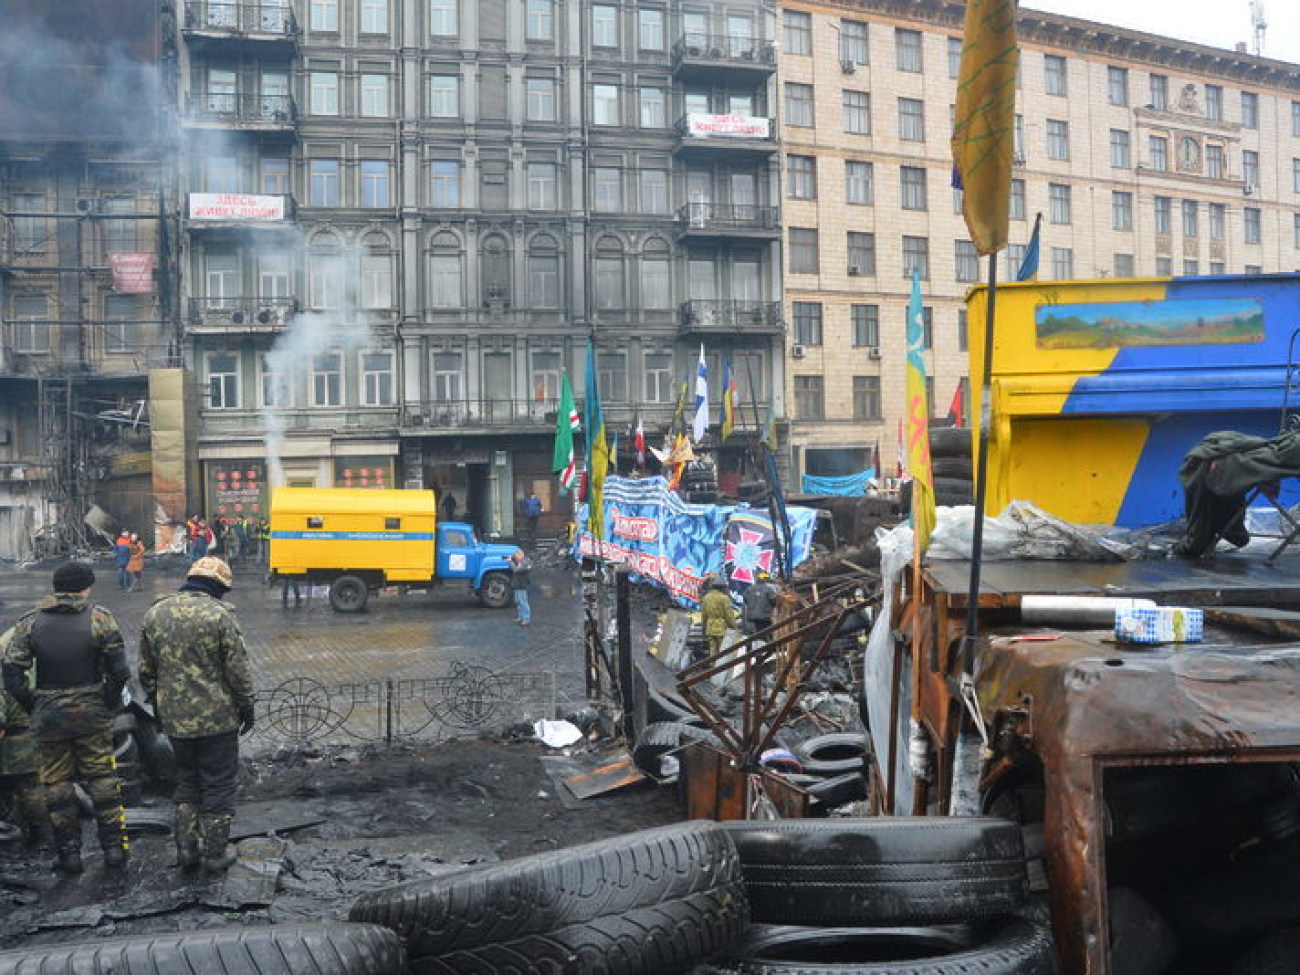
(1220, 23)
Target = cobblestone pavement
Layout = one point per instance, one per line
(411, 639)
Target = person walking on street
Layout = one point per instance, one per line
(194, 668)
(532, 511)
(76, 651)
(521, 577)
(717, 615)
(200, 540)
(760, 599)
(135, 565)
(449, 507)
(121, 557)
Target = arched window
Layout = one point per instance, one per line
(494, 260)
(446, 272)
(326, 271)
(376, 271)
(544, 272)
(656, 275)
(611, 275)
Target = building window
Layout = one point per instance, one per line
(1295, 119)
(807, 322)
(907, 47)
(803, 251)
(446, 374)
(916, 256)
(276, 387)
(1252, 269)
(859, 179)
(1159, 92)
(611, 280)
(274, 176)
(604, 105)
(1218, 267)
(857, 112)
(324, 15)
(1164, 215)
(809, 398)
(446, 280)
(853, 42)
(653, 105)
(864, 321)
(540, 99)
(1214, 162)
(1250, 167)
(611, 370)
(1295, 175)
(327, 379)
(374, 95)
(1296, 231)
(798, 32)
(223, 381)
(1058, 139)
(1117, 85)
(967, 261)
(1158, 147)
(324, 93)
(119, 235)
(912, 187)
(657, 368)
(324, 182)
(607, 189)
(1016, 257)
(122, 316)
(604, 25)
(798, 104)
(1214, 103)
(444, 18)
(1058, 197)
(375, 182)
(444, 183)
(801, 177)
(1062, 263)
(1164, 267)
(1191, 267)
(1121, 155)
(1191, 219)
(377, 378)
(861, 252)
(911, 120)
(540, 20)
(1121, 210)
(650, 29)
(656, 280)
(1123, 265)
(1250, 224)
(653, 191)
(1249, 110)
(1054, 75)
(444, 96)
(374, 16)
(963, 344)
(866, 398)
(542, 186)
(1018, 139)
(543, 274)
(1017, 201)
(1218, 221)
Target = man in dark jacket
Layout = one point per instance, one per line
(759, 601)
(80, 670)
(194, 667)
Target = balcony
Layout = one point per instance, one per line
(743, 58)
(254, 113)
(435, 417)
(220, 316)
(699, 134)
(714, 315)
(264, 24)
(702, 221)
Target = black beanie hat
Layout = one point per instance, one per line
(73, 577)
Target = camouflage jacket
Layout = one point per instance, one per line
(717, 613)
(17, 747)
(194, 666)
(62, 713)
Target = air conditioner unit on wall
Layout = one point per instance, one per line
(1248, 189)
(874, 352)
(848, 67)
(854, 271)
(798, 351)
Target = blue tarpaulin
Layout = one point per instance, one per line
(850, 485)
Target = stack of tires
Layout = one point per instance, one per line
(904, 896)
(700, 483)
(950, 461)
(834, 769)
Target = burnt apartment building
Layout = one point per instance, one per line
(403, 220)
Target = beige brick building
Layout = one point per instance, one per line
(1145, 156)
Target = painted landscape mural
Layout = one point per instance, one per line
(1108, 325)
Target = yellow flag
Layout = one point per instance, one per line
(918, 423)
(983, 137)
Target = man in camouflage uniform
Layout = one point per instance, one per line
(20, 770)
(194, 667)
(80, 668)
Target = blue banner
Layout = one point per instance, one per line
(665, 541)
(850, 485)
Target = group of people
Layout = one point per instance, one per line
(64, 670)
(718, 614)
(232, 538)
(128, 556)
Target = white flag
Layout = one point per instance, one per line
(701, 423)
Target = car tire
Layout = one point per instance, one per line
(950, 441)
(834, 754)
(349, 594)
(327, 948)
(658, 739)
(157, 756)
(496, 591)
(839, 790)
(958, 467)
(653, 901)
(881, 871)
(1005, 946)
(956, 490)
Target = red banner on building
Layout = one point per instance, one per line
(132, 273)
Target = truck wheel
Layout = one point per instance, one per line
(495, 592)
(348, 594)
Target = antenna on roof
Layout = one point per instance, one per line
(1259, 23)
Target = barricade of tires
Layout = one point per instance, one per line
(903, 896)
(951, 465)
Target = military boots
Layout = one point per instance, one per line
(189, 853)
(217, 854)
(67, 849)
(111, 829)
